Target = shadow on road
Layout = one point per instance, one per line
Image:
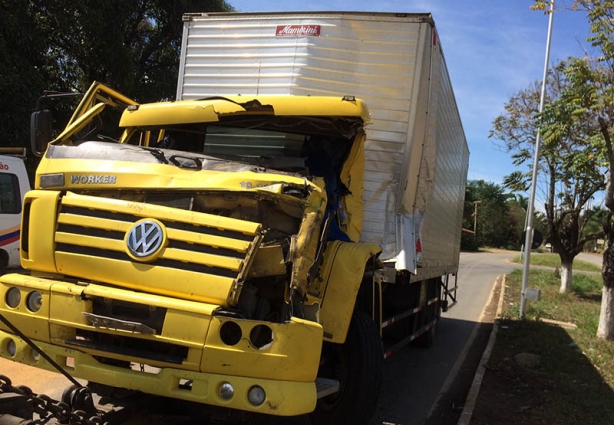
(416, 373)
(414, 377)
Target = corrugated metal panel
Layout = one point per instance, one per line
(374, 56)
(441, 230)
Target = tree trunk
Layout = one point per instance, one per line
(566, 273)
(606, 318)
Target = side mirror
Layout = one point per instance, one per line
(40, 131)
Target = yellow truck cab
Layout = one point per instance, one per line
(198, 241)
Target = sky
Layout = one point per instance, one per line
(493, 49)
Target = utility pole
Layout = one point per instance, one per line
(529, 229)
(475, 217)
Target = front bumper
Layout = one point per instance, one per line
(185, 356)
(283, 398)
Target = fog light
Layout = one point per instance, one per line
(34, 301)
(226, 391)
(256, 395)
(35, 355)
(11, 347)
(13, 297)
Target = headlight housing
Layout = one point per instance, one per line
(256, 395)
(34, 301)
(13, 297)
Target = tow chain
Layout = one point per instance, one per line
(46, 408)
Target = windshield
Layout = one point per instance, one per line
(268, 147)
(214, 146)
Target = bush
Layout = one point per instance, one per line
(469, 242)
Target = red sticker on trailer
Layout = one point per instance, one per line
(298, 31)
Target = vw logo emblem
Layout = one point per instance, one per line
(144, 239)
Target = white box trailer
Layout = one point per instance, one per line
(416, 152)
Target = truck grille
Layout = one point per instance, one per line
(133, 347)
(203, 258)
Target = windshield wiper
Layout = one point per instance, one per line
(157, 153)
(186, 162)
(107, 138)
(181, 161)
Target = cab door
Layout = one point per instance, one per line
(98, 113)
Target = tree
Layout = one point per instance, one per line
(590, 94)
(66, 45)
(518, 205)
(22, 70)
(570, 166)
(497, 216)
(600, 216)
(133, 46)
(494, 227)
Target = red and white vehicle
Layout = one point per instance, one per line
(13, 186)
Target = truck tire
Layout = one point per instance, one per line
(357, 364)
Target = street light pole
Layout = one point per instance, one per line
(529, 228)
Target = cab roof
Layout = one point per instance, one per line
(213, 108)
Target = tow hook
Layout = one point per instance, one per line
(79, 398)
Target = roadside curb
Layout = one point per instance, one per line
(465, 417)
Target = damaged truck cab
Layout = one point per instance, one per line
(203, 239)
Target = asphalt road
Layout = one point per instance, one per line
(595, 258)
(413, 378)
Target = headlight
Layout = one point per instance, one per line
(256, 395)
(13, 297)
(11, 347)
(34, 301)
(226, 391)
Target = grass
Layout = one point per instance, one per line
(553, 260)
(581, 306)
(574, 382)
